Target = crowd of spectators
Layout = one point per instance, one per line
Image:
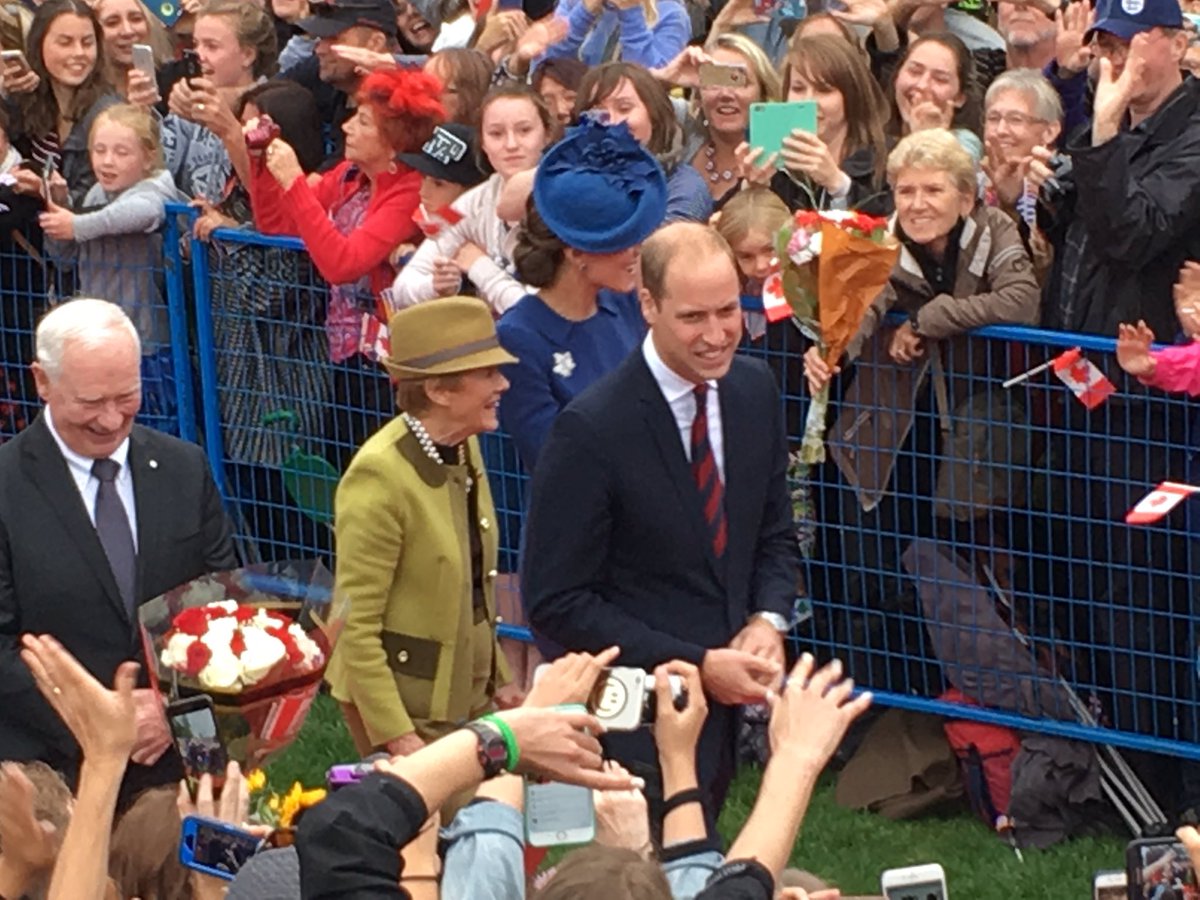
(474, 184)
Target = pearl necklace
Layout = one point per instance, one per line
(710, 165)
(429, 447)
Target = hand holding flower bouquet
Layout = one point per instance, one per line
(832, 266)
(256, 640)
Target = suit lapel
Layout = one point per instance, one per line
(660, 422)
(50, 474)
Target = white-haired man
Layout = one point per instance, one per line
(97, 515)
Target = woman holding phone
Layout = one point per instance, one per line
(841, 165)
(56, 100)
(127, 24)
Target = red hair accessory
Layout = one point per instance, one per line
(404, 92)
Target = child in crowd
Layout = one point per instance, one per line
(115, 238)
(749, 223)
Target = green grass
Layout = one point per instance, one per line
(846, 848)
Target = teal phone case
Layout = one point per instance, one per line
(770, 123)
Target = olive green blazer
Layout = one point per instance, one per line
(404, 561)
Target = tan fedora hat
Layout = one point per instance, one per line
(442, 337)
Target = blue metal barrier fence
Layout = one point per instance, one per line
(959, 534)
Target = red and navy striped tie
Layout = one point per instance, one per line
(704, 471)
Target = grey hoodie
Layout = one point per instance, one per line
(118, 250)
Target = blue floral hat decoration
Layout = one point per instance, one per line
(598, 190)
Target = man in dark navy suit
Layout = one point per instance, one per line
(660, 519)
(97, 515)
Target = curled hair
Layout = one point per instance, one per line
(832, 63)
(469, 72)
(666, 134)
(934, 149)
(144, 126)
(254, 30)
(39, 109)
(407, 105)
(967, 116)
(539, 253)
(412, 395)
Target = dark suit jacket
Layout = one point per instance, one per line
(55, 579)
(616, 550)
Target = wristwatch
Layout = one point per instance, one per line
(775, 620)
(493, 752)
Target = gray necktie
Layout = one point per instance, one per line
(112, 525)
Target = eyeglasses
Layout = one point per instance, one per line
(1012, 119)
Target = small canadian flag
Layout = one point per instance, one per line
(374, 342)
(1083, 378)
(1159, 502)
(775, 305)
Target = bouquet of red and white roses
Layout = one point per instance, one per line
(257, 640)
(832, 266)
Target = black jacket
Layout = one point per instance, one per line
(868, 193)
(55, 578)
(1127, 218)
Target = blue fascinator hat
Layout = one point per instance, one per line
(598, 190)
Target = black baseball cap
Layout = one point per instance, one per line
(448, 155)
(331, 17)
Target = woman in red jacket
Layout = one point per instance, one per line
(351, 219)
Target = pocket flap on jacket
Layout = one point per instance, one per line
(412, 656)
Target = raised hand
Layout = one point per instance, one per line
(811, 715)
(102, 720)
(676, 731)
(1133, 349)
(807, 154)
(1187, 299)
(1113, 92)
(684, 69)
(752, 167)
(570, 679)
(1072, 52)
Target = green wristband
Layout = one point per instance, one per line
(510, 740)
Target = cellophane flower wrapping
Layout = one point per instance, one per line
(832, 266)
(257, 640)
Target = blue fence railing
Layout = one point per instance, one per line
(958, 535)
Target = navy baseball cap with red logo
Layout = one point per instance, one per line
(332, 17)
(1127, 18)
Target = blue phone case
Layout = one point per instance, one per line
(168, 11)
(215, 848)
(770, 123)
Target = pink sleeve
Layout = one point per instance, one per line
(1177, 369)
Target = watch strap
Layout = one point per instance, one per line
(775, 620)
(492, 751)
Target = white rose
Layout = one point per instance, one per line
(229, 607)
(313, 657)
(174, 655)
(263, 652)
(223, 672)
(220, 634)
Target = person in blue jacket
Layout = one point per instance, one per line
(596, 196)
(650, 33)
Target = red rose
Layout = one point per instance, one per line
(237, 643)
(198, 656)
(244, 614)
(193, 621)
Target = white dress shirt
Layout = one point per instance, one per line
(89, 485)
(678, 393)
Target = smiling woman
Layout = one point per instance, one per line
(53, 121)
(125, 23)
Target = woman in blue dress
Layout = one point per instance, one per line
(597, 195)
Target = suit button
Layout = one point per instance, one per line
(499, 620)
(491, 575)
(402, 656)
(484, 523)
